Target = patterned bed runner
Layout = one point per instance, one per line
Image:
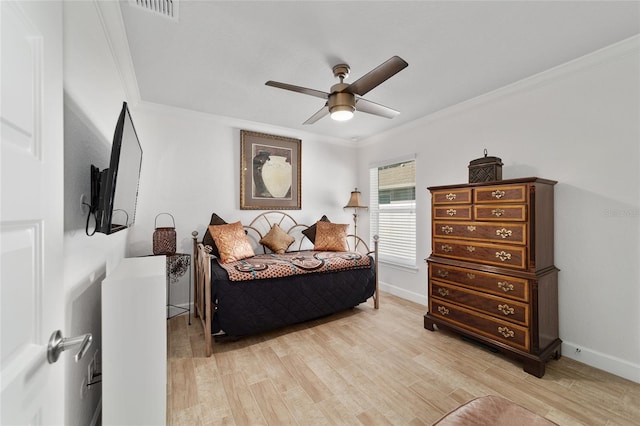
(294, 263)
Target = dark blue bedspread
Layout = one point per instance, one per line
(250, 307)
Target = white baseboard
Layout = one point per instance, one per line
(405, 294)
(604, 362)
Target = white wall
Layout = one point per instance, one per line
(580, 125)
(191, 168)
(93, 97)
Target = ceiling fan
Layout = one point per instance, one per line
(344, 98)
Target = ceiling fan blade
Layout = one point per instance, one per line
(377, 75)
(306, 91)
(318, 115)
(364, 105)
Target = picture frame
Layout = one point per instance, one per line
(270, 171)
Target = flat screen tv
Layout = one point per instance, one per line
(114, 191)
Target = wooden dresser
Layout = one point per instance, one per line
(491, 271)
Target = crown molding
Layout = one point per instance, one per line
(626, 47)
(113, 26)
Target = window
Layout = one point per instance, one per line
(393, 211)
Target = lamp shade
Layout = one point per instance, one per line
(354, 201)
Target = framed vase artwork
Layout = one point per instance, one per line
(270, 170)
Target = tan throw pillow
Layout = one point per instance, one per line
(231, 241)
(277, 240)
(310, 232)
(331, 237)
(208, 239)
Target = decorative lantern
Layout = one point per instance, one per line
(164, 238)
(485, 169)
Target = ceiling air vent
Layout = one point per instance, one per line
(166, 8)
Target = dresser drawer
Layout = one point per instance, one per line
(503, 331)
(494, 254)
(513, 233)
(501, 194)
(517, 212)
(502, 285)
(495, 306)
(452, 212)
(453, 196)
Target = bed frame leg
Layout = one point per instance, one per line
(202, 280)
(208, 313)
(376, 297)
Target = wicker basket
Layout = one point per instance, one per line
(164, 238)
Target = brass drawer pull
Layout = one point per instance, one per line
(471, 228)
(446, 248)
(450, 196)
(506, 332)
(442, 273)
(447, 229)
(497, 212)
(506, 309)
(443, 310)
(498, 194)
(505, 286)
(443, 292)
(504, 232)
(503, 255)
(471, 276)
(451, 212)
(471, 249)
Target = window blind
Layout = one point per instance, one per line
(393, 211)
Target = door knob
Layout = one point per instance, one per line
(58, 344)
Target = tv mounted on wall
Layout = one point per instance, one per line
(114, 191)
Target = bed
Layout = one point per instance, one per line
(270, 289)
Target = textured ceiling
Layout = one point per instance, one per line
(217, 56)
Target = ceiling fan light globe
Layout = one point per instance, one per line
(342, 112)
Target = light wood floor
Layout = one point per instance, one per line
(372, 367)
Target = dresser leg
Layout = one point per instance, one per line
(533, 367)
(558, 353)
(428, 324)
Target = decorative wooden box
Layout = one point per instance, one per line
(485, 169)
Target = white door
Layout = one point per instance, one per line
(31, 212)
